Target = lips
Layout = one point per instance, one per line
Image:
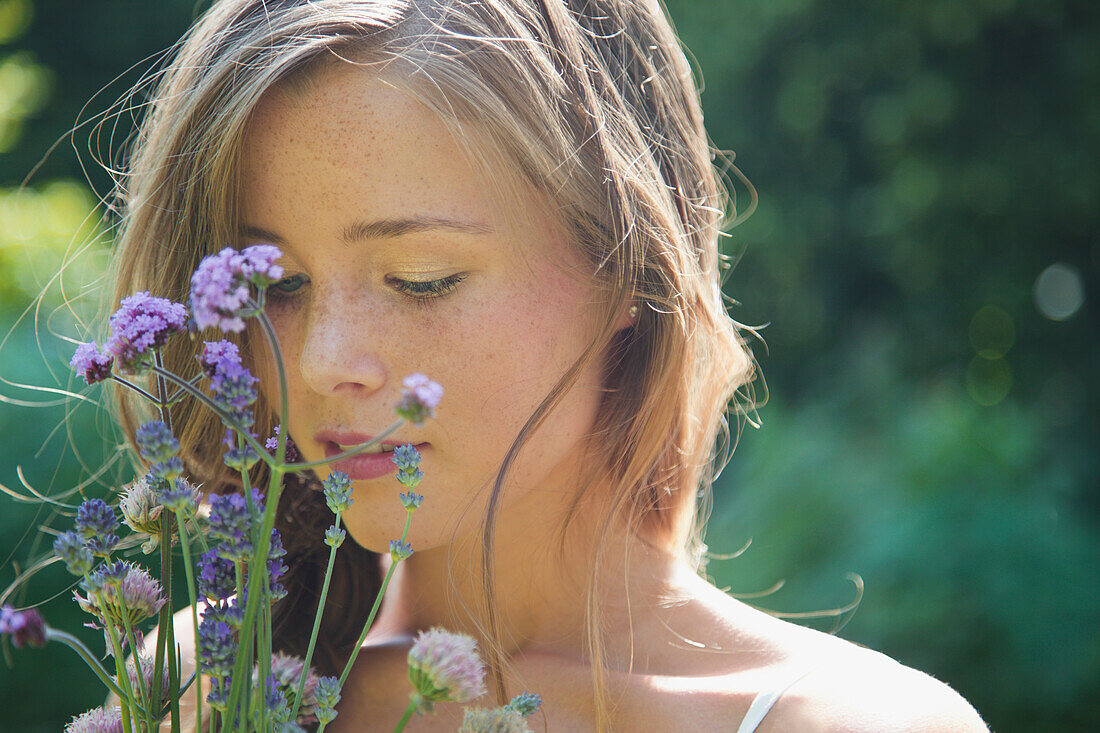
(365, 465)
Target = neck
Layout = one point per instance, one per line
(542, 586)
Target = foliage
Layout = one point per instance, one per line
(920, 163)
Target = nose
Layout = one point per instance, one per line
(340, 349)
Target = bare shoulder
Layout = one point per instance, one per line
(856, 690)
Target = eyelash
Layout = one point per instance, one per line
(420, 291)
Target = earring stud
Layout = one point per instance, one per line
(633, 311)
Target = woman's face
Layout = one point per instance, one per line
(398, 259)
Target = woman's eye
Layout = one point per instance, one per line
(288, 285)
(425, 290)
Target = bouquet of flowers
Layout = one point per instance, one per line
(231, 549)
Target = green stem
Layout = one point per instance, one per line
(120, 671)
(185, 543)
(316, 628)
(377, 603)
(165, 622)
(221, 414)
(133, 387)
(143, 693)
(405, 718)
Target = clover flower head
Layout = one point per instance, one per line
(179, 495)
(444, 666)
(400, 550)
(91, 364)
(337, 488)
(334, 536)
(525, 703)
(147, 669)
(122, 594)
(327, 695)
(70, 547)
(219, 356)
(419, 399)
(156, 442)
(217, 644)
(97, 720)
(96, 523)
(230, 524)
(220, 286)
(217, 576)
(496, 720)
(142, 323)
(24, 627)
(410, 499)
(141, 509)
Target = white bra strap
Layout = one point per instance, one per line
(763, 702)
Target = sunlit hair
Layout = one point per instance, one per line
(592, 105)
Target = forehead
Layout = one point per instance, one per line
(347, 142)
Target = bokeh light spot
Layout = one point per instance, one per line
(988, 380)
(1059, 292)
(992, 332)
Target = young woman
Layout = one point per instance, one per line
(517, 198)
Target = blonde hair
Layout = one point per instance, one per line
(591, 103)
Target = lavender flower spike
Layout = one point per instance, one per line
(96, 523)
(497, 720)
(97, 720)
(444, 666)
(91, 364)
(25, 627)
(419, 399)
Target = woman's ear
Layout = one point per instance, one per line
(628, 316)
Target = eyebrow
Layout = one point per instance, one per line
(382, 228)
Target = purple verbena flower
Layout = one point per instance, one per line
(220, 286)
(24, 627)
(217, 577)
(218, 356)
(233, 389)
(242, 458)
(272, 444)
(444, 666)
(70, 547)
(142, 323)
(97, 720)
(419, 399)
(96, 523)
(91, 364)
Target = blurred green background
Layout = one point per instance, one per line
(925, 256)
